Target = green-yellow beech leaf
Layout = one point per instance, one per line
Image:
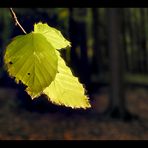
(53, 35)
(66, 89)
(32, 60)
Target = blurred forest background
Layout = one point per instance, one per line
(109, 54)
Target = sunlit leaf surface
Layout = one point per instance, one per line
(66, 89)
(31, 59)
(53, 35)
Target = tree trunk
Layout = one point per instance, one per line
(78, 38)
(143, 39)
(117, 95)
(96, 60)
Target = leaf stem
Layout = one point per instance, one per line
(16, 20)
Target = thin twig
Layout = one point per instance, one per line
(16, 20)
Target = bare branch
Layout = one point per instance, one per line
(16, 20)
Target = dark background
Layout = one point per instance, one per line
(109, 54)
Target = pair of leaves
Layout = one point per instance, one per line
(34, 60)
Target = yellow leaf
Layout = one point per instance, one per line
(66, 89)
(54, 36)
(32, 60)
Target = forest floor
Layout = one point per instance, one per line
(16, 123)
